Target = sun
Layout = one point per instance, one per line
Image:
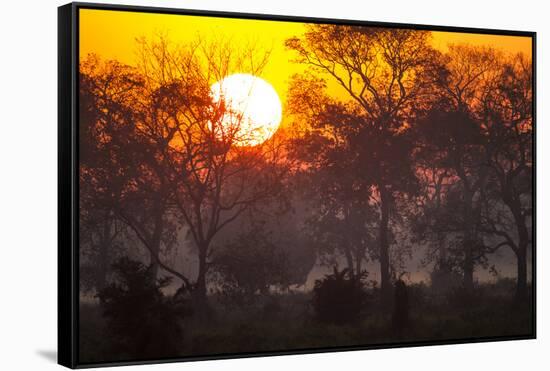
(252, 109)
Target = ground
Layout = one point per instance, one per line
(287, 322)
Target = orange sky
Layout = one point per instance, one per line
(111, 34)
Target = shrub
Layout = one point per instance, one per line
(248, 266)
(463, 299)
(400, 318)
(141, 320)
(339, 297)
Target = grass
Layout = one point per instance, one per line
(286, 322)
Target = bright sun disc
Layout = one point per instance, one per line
(252, 111)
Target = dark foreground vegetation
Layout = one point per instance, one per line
(122, 328)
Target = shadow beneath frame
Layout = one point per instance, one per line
(50, 355)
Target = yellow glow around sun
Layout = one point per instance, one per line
(252, 109)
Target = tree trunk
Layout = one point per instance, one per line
(154, 256)
(200, 286)
(521, 251)
(104, 253)
(349, 257)
(521, 254)
(202, 310)
(468, 244)
(385, 283)
(521, 288)
(347, 245)
(358, 259)
(442, 249)
(154, 251)
(468, 267)
(103, 266)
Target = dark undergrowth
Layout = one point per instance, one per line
(288, 322)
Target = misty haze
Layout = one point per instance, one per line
(282, 186)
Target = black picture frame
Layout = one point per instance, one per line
(68, 185)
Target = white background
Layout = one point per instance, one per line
(28, 152)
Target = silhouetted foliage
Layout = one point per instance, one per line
(339, 297)
(460, 298)
(142, 321)
(392, 151)
(388, 78)
(250, 265)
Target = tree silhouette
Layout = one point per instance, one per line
(388, 76)
(453, 137)
(119, 171)
(430, 210)
(107, 93)
(171, 160)
(454, 140)
(251, 263)
(212, 179)
(143, 322)
(509, 154)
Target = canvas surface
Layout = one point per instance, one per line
(265, 186)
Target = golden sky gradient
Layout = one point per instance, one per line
(111, 35)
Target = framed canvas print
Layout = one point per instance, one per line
(233, 185)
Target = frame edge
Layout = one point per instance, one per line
(66, 335)
(67, 213)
